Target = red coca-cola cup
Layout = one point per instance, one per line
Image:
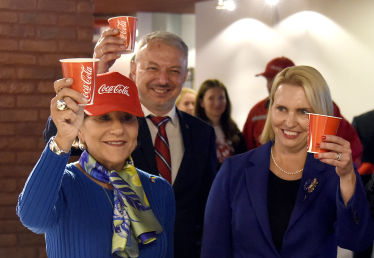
(83, 71)
(127, 30)
(318, 126)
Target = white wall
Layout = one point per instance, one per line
(334, 36)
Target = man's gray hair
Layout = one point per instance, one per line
(165, 37)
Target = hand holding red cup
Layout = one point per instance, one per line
(127, 31)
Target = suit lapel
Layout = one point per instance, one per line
(257, 176)
(146, 147)
(183, 177)
(312, 170)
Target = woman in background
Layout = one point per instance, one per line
(214, 106)
(278, 200)
(186, 101)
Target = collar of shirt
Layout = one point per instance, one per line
(172, 114)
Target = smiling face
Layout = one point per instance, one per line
(187, 103)
(289, 118)
(214, 103)
(159, 74)
(110, 138)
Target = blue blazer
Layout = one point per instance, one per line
(192, 184)
(236, 216)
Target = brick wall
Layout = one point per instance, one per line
(34, 35)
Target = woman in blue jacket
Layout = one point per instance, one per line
(280, 201)
(101, 206)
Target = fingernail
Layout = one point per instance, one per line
(85, 99)
(318, 145)
(116, 30)
(121, 41)
(323, 137)
(118, 55)
(122, 46)
(316, 155)
(69, 80)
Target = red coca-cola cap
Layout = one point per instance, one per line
(275, 66)
(114, 92)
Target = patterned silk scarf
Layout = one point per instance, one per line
(133, 219)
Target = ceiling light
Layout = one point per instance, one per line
(229, 5)
(226, 5)
(272, 2)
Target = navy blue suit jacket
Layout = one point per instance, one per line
(236, 216)
(192, 184)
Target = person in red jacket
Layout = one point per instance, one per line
(257, 116)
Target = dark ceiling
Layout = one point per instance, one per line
(130, 7)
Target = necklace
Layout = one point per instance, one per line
(107, 196)
(289, 173)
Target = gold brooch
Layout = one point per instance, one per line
(310, 185)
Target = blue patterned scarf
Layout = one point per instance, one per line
(133, 219)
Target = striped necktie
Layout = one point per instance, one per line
(162, 150)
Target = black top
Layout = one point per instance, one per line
(281, 200)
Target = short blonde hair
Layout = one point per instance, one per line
(316, 90)
(165, 37)
(184, 91)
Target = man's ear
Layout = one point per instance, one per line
(185, 75)
(133, 71)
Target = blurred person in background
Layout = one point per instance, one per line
(186, 101)
(213, 106)
(364, 125)
(257, 116)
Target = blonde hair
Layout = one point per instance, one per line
(316, 90)
(184, 91)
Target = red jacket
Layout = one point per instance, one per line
(256, 121)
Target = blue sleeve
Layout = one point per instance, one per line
(38, 202)
(217, 224)
(354, 227)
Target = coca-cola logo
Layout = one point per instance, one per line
(119, 89)
(122, 26)
(86, 77)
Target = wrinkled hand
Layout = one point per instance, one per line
(107, 49)
(69, 121)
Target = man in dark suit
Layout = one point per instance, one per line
(364, 125)
(159, 71)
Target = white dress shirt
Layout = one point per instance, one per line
(174, 134)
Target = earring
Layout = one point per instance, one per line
(81, 145)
